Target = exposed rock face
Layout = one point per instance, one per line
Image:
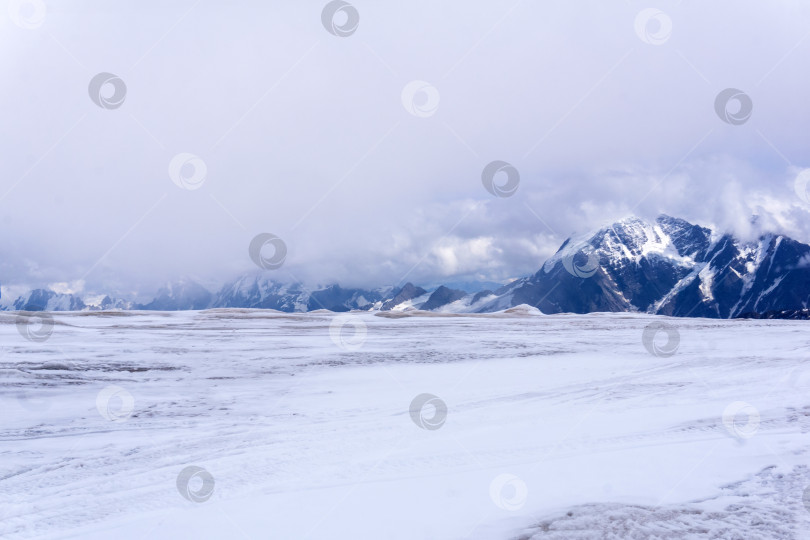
(441, 297)
(47, 300)
(185, 294)
(407, 292)
(793, 314)
(669, 267)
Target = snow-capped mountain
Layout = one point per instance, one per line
(47, 300)
(405, 296)
(105, 302)
(260, 291)
(257, 292)
(180, 295)
(668, 267)
(441, 297)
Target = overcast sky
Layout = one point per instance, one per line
(324, 140)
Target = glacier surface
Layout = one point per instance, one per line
(556, 426)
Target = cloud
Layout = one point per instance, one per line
(304, 134)
(76, 287)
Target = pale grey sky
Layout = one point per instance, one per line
(313, 137)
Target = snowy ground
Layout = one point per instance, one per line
(556, 427)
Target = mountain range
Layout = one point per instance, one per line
(668, 266)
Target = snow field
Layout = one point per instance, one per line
(308, 433)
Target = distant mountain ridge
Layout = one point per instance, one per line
(668, 266)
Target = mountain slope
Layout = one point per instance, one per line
(47, 300)
(181, 295)
(668, 267)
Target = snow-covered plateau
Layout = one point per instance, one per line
(236, 423)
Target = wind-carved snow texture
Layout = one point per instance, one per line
(305, 435)
(762, 508)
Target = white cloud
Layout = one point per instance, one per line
(75, 287)
(304, 135)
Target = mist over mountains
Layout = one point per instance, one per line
(668, 266)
